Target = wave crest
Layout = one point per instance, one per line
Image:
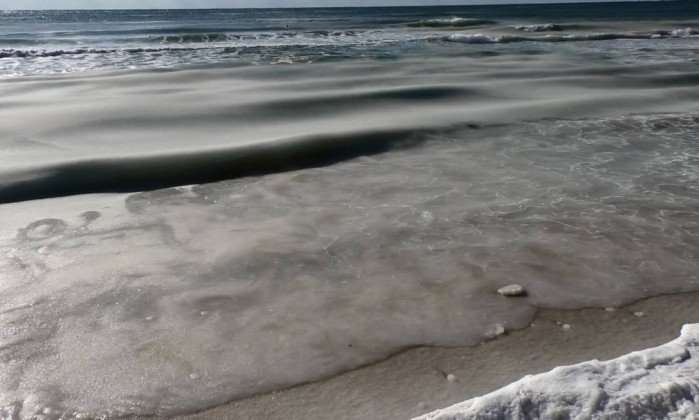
(546, 27)
(19, 53)
(479, 38)
(450, 23)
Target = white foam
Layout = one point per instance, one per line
(684, 32)
(658, 383)
(545, 27)
(479, 38)
(450, 22)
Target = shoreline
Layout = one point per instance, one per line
(414, 381)
(288, 223)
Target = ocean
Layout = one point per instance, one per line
(49, 42)
(198, 206)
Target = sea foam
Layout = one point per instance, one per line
(451, 22)
(479, 38)
(658, 383)
(545, 27)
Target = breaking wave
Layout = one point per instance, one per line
(450, 23)
(19, 53)
(546, 27)
(478, 38)
(227, 36)
(225, 41)
(192, 42)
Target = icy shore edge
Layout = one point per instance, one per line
(658, 383)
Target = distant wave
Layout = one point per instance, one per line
(226, 41)
(227, 36)
(450, 23)
(185, 42)
(20, 53)
(185, 49)
(185, 37)
(683, 32)
(546, 27)
(504, 39)
(196, 38)
(141, 32)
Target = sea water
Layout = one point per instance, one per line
(200, 206)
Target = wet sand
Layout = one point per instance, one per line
(414, 382)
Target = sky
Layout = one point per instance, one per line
(155, 4)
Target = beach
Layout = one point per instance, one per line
(414, 382)
(221, 215)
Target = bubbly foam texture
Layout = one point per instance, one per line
(658, 383)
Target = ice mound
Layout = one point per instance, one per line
(658, 383)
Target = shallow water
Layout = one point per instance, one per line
(183, 298)
(173, 239)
